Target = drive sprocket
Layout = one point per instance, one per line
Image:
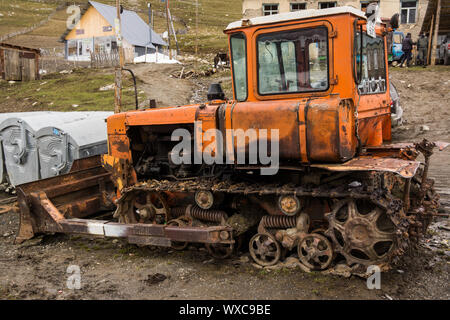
(368, 232)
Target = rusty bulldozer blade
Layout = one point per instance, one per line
(62, 204)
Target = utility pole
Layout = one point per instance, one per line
(430, 36)
(118, 71)
(168, 28)
(436, 32)
(196, 26)
(149, 25)
(173, 32)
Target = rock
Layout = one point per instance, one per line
(355, 184)
(52, 291)
(340, 270)
(107, 87)
(208, 261)
(244, 259)
(291, 262)
(424, 128)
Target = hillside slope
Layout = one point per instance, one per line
(213, 17)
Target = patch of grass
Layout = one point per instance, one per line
(78, 91)
(320, 279)
(213, 18)
(18, 15)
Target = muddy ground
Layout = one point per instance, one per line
(112, 269)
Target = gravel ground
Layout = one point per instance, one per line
(112, 269)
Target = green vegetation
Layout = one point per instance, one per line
(78, 91)
(16, 15)
(213, 17)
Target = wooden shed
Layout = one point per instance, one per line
(19, 63)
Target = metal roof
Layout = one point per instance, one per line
(20, 48)
(134, 30)
(297, 15)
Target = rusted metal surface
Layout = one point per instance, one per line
(78, 194)
(150, 233)
(406, 169)
(405, 150)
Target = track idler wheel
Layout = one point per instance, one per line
(178, 245)
(220, 250)
(315, 251)
(264, 249)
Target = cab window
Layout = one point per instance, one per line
(372, 72)
(293, 61)
(239, 63)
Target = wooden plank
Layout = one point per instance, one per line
(28, 69)
(12, 65)
(436, 33)
(2, 63)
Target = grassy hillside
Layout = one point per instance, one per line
(16, 15)
(213, 17)
(78, 91)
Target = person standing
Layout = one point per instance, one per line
(422, 48)
(407, 45)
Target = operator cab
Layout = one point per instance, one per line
(306, 53)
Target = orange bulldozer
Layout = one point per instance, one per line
(297, 160)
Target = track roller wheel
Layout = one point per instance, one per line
(220, 250)
(315, 251)
(264, 249)
(178, 245)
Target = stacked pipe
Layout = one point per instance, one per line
(40, 145)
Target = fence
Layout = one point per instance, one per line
(111, 59)
(53, 60)
(105, 59)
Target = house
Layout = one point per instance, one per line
(95, 33)
(412, 12)
(19, 63)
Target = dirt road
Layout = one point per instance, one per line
(112, 269)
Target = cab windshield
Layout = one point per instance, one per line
(293, 61)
